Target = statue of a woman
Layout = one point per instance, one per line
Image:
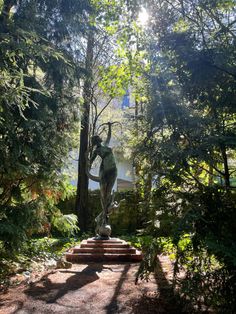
(107, 177)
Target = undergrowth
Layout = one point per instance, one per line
(37, 250)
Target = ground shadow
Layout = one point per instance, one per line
(160, 299)
(50, 292)
(164, 300)
(113, 306)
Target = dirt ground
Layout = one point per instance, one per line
(94, 288)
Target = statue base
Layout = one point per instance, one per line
(103, 250)
(104, 231)
(98, 237)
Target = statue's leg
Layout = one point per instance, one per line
(98, 221)
(108, 192)
(106, 185)
(106, 199)
(102, 197)
(103, 194)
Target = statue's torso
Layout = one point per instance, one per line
(108, 161)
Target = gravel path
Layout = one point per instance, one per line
(95, 288)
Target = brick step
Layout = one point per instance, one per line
(106, 257)
(112, 250)
(95, 249)
(104, 245)
(111, 240)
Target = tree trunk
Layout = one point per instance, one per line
(226, 166)
(82, 186)
(210, 176)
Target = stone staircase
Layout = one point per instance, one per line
(111, 250)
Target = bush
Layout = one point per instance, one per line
(66, 224)
(200, 225)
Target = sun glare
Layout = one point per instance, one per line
(143, 17)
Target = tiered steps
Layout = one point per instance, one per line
(111, 250)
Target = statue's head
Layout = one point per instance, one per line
(96, 140)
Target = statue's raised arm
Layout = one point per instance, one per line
(107, 141)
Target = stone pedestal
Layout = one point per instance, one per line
(98, 250)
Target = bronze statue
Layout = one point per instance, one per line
(106, 179)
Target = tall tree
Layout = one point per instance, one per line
(104, 73)
(39, 77)
(82, 185)
(188, 137)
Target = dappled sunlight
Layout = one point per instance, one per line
(114, 304)
(98, 288)
(143, 17)
(149, 89)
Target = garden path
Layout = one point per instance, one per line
(94, 288)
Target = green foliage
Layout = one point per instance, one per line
(184, 145)
(17, 222)
(182, 134)
(115, 80)
(66, 224)
(32, 256)
(48, 247)
(38, 112)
